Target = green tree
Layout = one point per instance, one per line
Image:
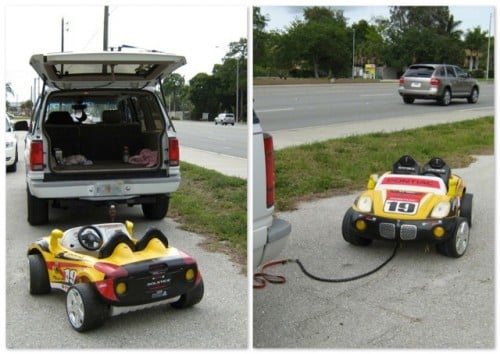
(476, 41)
(203, 95)
(173, 86)
(422, 34)
(320, 43)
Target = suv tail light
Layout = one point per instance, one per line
(435, 82)
(269, 155)
(173, 152)
(36, 156)
(401, 81)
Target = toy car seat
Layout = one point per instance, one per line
(437, 167)
(406, 165)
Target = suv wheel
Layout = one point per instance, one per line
(445, 98)
(408, 100)
(474, 95)
(158, 209)
(38, 209)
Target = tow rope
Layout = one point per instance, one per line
(261, 278)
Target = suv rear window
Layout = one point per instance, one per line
(420, 71)
(110, 106)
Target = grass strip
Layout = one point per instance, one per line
(340, 166)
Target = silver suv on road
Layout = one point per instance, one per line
(440, 82)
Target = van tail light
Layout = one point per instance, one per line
(36, 156)
(435, 82)
(173, 152)
(270, 179)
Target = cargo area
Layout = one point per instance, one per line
(113, 123)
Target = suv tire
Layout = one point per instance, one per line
(158, 209)
(38, 209)
(445, 99)
(474, 95)
(408, 100)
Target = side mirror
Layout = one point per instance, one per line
(21, 125)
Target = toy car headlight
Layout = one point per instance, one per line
(364, 204)
(441, 210)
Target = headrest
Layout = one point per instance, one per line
(406, 165)
(111, 116)
(59, 117)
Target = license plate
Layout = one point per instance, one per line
(108, 188)
(416, 84)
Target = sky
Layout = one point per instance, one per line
(201, 33)
(471, 16)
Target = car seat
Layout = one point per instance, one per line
(406, 165)
(59, 117)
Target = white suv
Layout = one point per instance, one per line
(270, 234)
(129, 155)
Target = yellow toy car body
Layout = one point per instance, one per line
(410, 203)
(105, 271)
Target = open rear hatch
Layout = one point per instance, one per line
(104, 69)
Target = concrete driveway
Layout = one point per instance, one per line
(421, 299)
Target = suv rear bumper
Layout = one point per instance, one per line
(113, 189)
(277, 236)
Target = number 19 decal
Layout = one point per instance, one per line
(399, 207)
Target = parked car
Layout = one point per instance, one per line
(410, 203)
(224, 119)
(10, 146)
(130, 155)
(440, 82)
(105, 271)
(270, 233)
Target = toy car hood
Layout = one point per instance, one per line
(104, 69)
(407, 196)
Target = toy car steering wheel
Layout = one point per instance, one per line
(90, 237)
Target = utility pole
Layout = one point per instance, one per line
(62, 34)
(488, 56)
(353, 50)
(237, 86)
(105, 35)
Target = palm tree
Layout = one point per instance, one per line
(475, 42)
(452, 28)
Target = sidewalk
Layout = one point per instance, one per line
(292, 137)
(228, 165)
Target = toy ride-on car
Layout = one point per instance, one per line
(410, 203)
(105, 271)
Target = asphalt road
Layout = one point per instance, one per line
(221, 139)
(299, 106)
(421, 299)
(219, 321)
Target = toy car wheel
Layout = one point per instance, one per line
(349, 234)
(84, 308)
(466, 208)
(457, 245)
(39, 277)
(191, 298)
